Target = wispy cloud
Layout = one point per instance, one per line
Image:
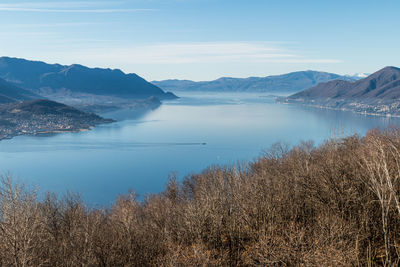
(208, 52)
(44, 10)
(68, 7)
(50, 25)
(58, 4)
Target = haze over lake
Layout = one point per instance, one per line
(183, 136)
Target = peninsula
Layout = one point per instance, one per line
(44, 117)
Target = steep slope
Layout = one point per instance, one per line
(10, 93)
(377, 94)
(288, 83)
(383, 84)
(76, 79)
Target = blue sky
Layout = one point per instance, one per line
(205, 39)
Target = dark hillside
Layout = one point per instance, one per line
(77, 79)
(383, 84)
(10, 93)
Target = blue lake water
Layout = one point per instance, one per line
(182, 136)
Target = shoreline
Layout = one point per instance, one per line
(388, 115)
(47, 133)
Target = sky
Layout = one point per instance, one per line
(205, 39)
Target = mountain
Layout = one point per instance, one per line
(383, 84)
(10, 93)
(44, 116)
(47, 79)
(286, 83)
(378, 93)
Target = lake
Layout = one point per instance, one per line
(183, 136)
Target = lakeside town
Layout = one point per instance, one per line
(44, 117)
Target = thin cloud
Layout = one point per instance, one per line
(306, 60)
(44, 10)
(51, 25)
(192, 53)
(69, 7)
(60, 4)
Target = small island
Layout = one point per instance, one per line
(44, 116)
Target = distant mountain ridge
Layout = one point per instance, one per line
(43, 78)
(379, 93)
(288, 83)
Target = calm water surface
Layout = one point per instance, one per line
(182, 136)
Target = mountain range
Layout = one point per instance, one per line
(97, 89)
(286, 83)
(379, 93)
(52, 79)
(28, 90)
